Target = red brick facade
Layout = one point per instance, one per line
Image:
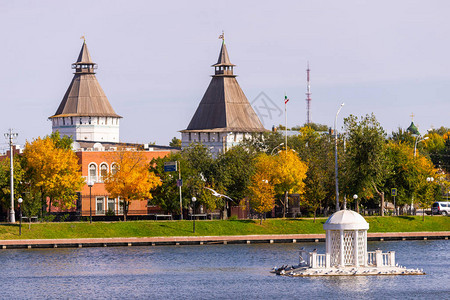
(94, 164)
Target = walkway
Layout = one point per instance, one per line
(203, 240)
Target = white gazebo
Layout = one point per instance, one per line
(346, 239)
(346, 252)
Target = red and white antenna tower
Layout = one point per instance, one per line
(308, 97)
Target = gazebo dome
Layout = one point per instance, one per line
(345, 220)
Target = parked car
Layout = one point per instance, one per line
(442, 208)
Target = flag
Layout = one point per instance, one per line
(286, 100)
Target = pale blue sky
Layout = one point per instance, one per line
(386, 57)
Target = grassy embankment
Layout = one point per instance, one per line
(209, 228)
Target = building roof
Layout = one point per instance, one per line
(224, 59)
(85, 96)
(347, 220)
(224, 106)
(413, 129)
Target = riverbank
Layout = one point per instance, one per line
(147, 229)
(208, 240)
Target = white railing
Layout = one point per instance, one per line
(371, 259)
(321, 260)
(379, 259)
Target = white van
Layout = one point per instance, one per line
(442, 208)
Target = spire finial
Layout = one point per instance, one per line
(84, 38)
(412, 116)
(222, 36)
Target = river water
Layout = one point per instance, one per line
(212, 271)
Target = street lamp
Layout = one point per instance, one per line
(193, 212)
(336, 157)
(276, 148)
(429, 180)
(90, 185)
(418, 141)
(355, 197)
(20, 200)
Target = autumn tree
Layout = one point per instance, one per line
(132, 179)
(261, 194)
(53, 171)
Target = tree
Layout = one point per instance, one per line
(366, 168)
(233, 170)
(317, 151)
(175, 142)
(409, 172)
(53, 171)
(132, 179)
(5, 180)
(261, 194)
(289, 173)
(31, 205)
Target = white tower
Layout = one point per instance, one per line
(85, 113)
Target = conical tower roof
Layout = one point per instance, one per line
(224, 106)
(85, 96)
(224, 59)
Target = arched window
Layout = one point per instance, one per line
(113, 168)
(103, 171)
(92, 173)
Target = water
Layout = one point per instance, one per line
(211, 271)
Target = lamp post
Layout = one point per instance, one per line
(90, 185)
(429, 180)
(271, 153)
(415, 150)
(193, 212)
(355, 197)
(336, 157)
(418, 141)
(20, 200)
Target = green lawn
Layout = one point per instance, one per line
(209, 228)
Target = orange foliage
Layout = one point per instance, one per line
(132, 180)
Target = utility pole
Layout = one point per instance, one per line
(11, 136)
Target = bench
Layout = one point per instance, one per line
(33, 218)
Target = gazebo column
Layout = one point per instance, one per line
(342, 250)
(355, 248)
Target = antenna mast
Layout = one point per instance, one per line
(308, 97)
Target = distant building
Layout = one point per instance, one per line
(224, 116)
(85, 113)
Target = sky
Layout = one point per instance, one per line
(390, 58)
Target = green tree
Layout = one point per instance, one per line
(175, 142)
(5, 181)
(366, 168)
(317, 150)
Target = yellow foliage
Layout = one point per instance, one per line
(132, 180)
(262, 194)
(54, 171)
(276, 174)
(289, 172)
